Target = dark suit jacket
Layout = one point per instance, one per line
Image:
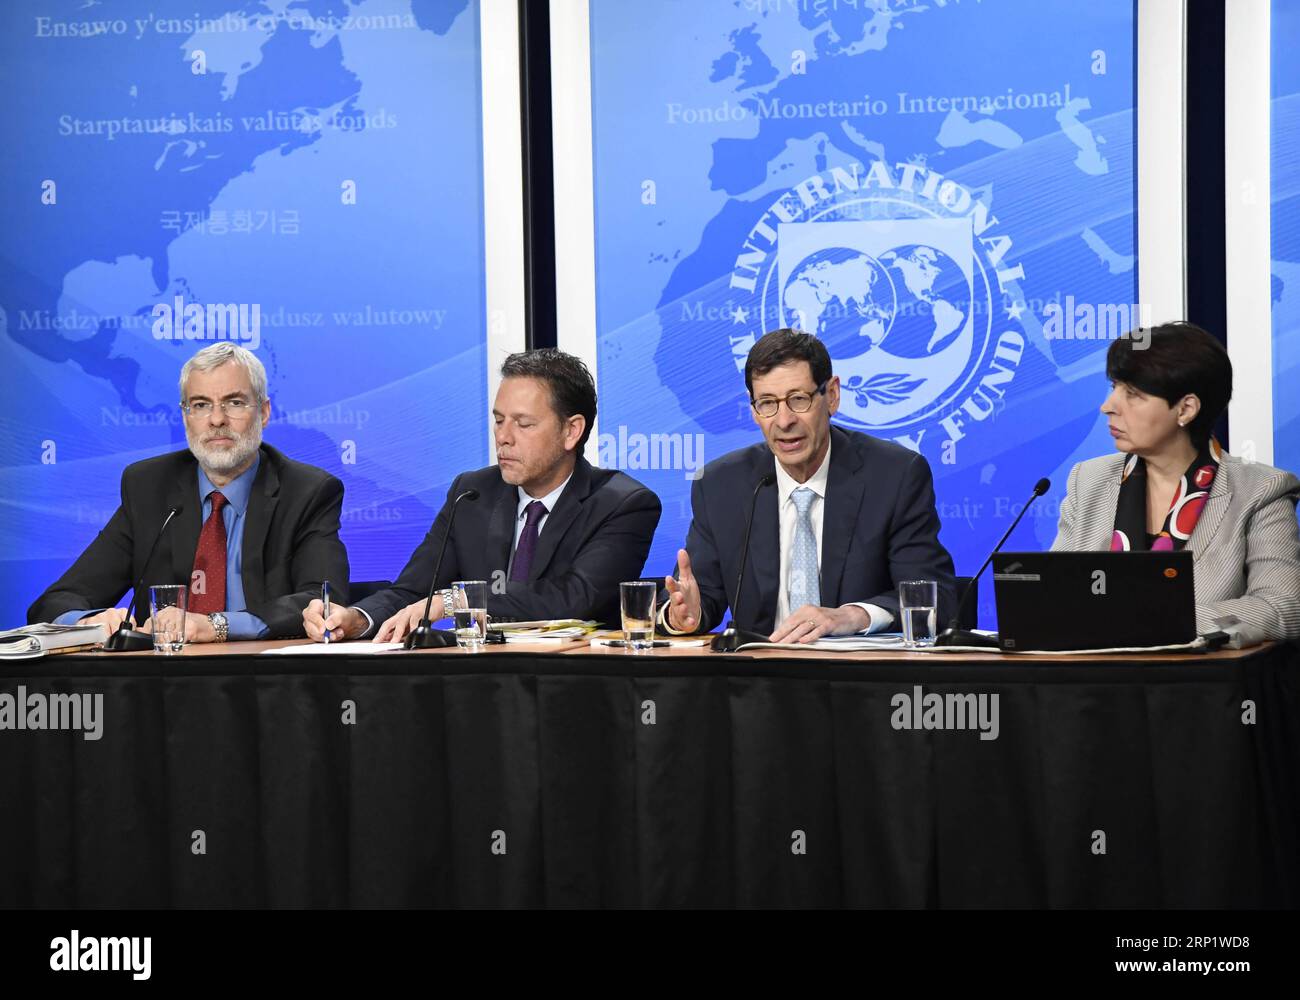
(879, 526)
(597, 536)
(291, 540)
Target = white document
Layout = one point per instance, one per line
(673, 642)
(554, 635)
(334, 649)
(838, 643)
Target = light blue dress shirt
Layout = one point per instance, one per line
(242, 623)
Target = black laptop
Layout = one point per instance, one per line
(1093, 600)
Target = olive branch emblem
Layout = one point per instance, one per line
(885, 388)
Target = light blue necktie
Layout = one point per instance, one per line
(802, 584)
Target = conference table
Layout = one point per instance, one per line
(565, 775)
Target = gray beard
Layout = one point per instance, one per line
(222, 462)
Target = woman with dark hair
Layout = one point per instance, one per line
(1173, 487)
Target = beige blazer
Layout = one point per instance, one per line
(1246, 544)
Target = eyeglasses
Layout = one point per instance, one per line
(799, 401)
(233, 408)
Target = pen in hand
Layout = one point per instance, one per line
(325, 607)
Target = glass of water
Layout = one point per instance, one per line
(167, 605)
(637, 603)
(917, 603)
(469, 612)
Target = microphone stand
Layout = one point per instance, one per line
(954, 634)
(733, 637)
(425, 636)
(132, 640)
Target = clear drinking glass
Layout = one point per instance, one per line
(917, 604)
(637, 603)
(167, 604)
(469, 612)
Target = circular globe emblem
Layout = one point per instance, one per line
(844, 296)
(898, 271)
(915, 295)
(934, 300)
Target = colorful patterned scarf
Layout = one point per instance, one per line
(1130, 533)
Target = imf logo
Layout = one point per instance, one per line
(898, 271)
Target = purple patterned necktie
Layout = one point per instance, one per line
(527, 542)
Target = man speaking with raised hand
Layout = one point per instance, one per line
(849, 518)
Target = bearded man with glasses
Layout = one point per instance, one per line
(254, 533)
(849, 518)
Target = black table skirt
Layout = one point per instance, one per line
(519, 780)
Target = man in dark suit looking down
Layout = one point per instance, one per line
(552, 536)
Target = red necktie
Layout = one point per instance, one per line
(208, 591)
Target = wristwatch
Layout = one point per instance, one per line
(220, 626)
(448, 600)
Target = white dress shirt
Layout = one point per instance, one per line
(550, 500)
(521, 516)
(788, 514)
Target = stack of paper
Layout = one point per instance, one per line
(616, 638)
(554, 630)
(37, 640)
(334, 649)
(838, 643)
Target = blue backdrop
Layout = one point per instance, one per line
(1285, 181)
(945, 193)
(317, 160)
